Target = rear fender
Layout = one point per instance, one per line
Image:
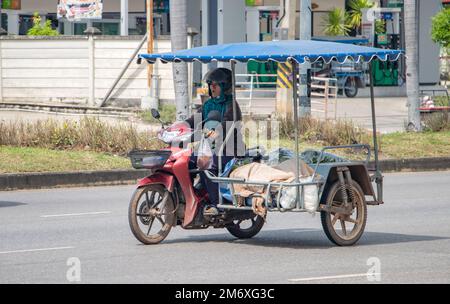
(159, 178)
(359, 174)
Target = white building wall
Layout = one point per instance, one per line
(57, 70)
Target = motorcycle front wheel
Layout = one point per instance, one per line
(151, 214)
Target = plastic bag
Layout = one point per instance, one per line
(204, 155)
(311, 196)
(288, 197)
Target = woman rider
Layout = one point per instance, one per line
(219, 82)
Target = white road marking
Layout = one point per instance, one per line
(76, 214)
(333, 277)
(35, 250)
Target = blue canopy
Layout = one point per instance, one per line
(280, 51)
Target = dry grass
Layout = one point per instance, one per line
(438, 121)
(89, 134)
(329, 133)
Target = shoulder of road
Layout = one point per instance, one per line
(122, 177)
(118, 177)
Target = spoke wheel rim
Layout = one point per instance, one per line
(347, 227)
(151, 223)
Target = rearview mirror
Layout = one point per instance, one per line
(155, 114)
(214, 115)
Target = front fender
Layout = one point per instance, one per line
(159, 178)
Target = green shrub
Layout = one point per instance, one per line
(440, 28)
(41, 30)
(441, 101)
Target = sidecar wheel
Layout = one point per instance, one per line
(345, 229)
(245, 229)
(151, 214)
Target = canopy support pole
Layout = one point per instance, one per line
(378, 175)
(231, 131)
(233, 84)
(233, 73)
(295, 70)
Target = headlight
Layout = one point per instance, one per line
(168, 136)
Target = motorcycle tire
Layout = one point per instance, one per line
(146, 201)
(257, 222)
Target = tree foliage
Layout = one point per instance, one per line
(41, 30)
(440, 29)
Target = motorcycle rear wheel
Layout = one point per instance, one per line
(151, 207)
(238, 229)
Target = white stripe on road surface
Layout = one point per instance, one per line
(76, 214)
(35, 250)
(334, 277)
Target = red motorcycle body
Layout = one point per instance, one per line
(175, 176)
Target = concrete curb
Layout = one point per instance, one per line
(415, 164)
(69, 179)
(126, 177)
(68, 109)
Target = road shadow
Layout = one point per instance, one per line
(10, 204)
(303, 239)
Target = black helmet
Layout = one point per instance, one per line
(221, 76)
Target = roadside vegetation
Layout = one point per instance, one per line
(40, 29)
(90, 144)
(30, 159)
(88, 134)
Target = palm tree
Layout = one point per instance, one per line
(354, 18)
(178, 33)
(334, 23)
(412, 59)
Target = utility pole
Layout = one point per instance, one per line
(305, 69)
(149, 7)
(150, 101)
(286, 31)
(412, 63)
(178, 36)
(124, 17)
(192, 32)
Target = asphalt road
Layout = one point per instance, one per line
(62, 235)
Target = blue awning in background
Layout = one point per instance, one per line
(341, 39)
(280, 51)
